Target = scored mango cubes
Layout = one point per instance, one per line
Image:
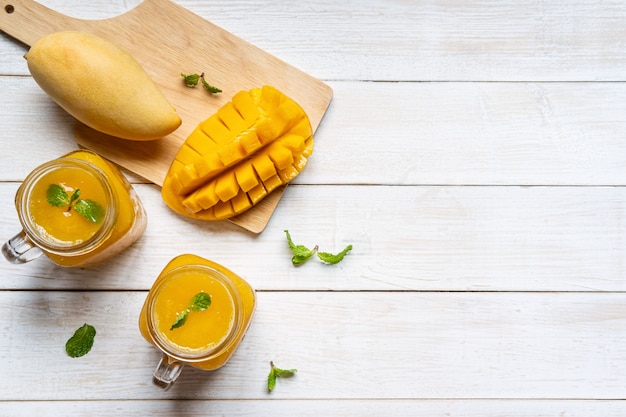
(253, 144)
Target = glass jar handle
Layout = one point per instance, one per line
(166, 372)
(20, 249)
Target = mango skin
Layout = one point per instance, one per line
(101, 85)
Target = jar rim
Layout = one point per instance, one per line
(199, 355)
(23, 198)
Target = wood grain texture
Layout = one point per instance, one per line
(492, 346)
(451, 239)
(422, 40)
(314, 408)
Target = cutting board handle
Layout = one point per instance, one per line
(27, 20)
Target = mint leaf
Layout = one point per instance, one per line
(180, 320)
(271, 379)
(298, 250)
(57, 196)
(191, 80)
(284, 373)
(276, 372)
(300, 253)
(90, 210)
(300, 259)
(201, 301)
(333, 259)
(209, 87)
(81, 342)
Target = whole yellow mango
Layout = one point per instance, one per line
(101, 85)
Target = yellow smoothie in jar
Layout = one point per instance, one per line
(202, 330)
(66, 236)
(130, 221)
(61, 223)
(207, 338)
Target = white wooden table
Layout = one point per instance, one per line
(474, 155)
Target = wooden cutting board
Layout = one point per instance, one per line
(168, 39)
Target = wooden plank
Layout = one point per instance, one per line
(472, 134)
(427, 40)
(314, 408)
(407, 133)
(345, 346)
(404, 238)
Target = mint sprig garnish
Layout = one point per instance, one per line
(276, 372)
(89, 209)
(199, 302)
(191, 80)
(301, 253)
(81, 342)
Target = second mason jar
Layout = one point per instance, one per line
(78, 210)
(197, 312)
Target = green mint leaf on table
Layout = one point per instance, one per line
(81, 342)
(276, 372)
(301, 253)
(90, 210)
(57, 196)
(199, 302)
(333, 259)
(191, 80)
(271, 379)
(209, 87)
(300, 259)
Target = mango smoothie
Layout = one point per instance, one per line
(207, 337)
(62, 224)
(78, 210)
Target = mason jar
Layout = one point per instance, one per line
(78, 210)
(206, 337)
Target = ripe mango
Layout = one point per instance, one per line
(255, 143)
(101, 85)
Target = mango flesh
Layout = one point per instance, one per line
(101, 85)
(255, 143)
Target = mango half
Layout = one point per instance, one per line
(258, 141)
(101, 85)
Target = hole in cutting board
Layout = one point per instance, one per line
(9, 8)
